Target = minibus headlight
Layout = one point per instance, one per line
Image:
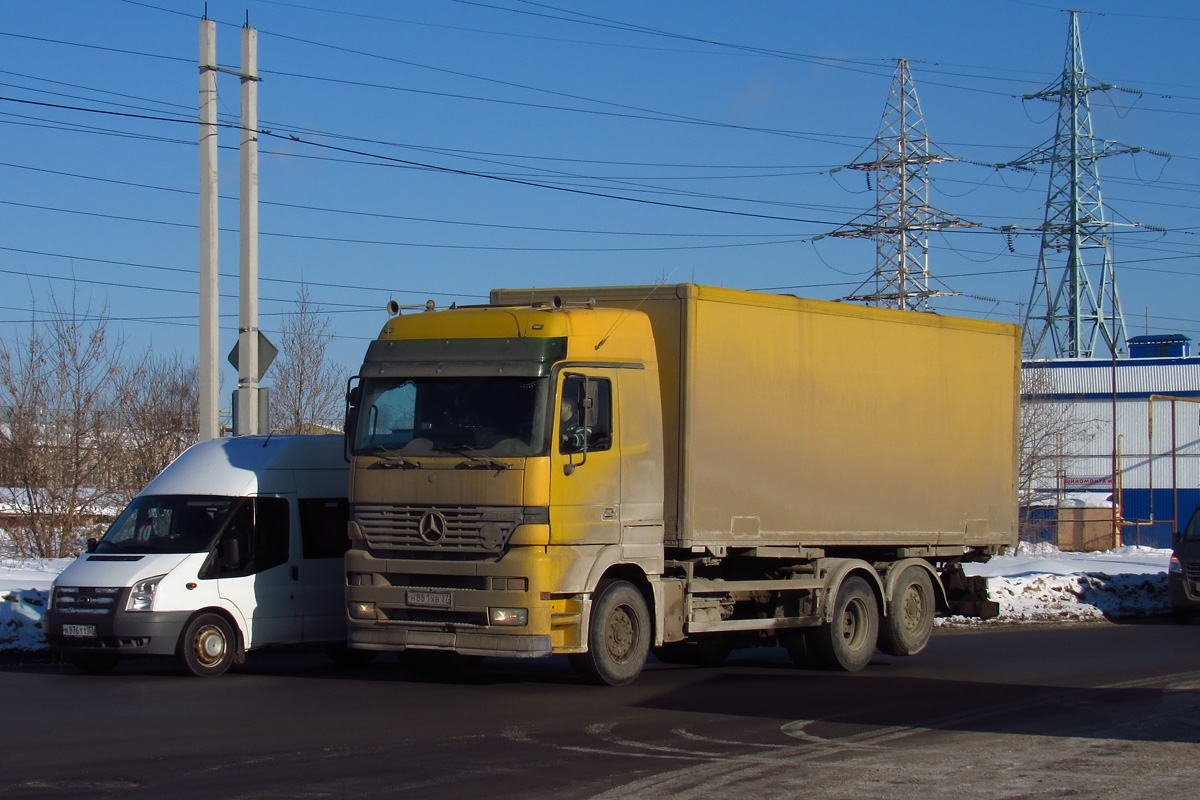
(508, 616)
(142, 596)
(1175, 566)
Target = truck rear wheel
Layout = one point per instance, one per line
(618, 635)
(909, 620)
(206, 647)
(847, 642)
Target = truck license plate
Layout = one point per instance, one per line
(79, 630)
(429, 599)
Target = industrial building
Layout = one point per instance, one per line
(1124, 429)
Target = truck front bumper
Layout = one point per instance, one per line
(395, 604)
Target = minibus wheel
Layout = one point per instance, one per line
(206, 647)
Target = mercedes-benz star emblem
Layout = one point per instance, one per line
(432, 527)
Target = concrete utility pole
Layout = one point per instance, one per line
(209, 408)
(248, 405)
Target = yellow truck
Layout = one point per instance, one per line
(607, 472)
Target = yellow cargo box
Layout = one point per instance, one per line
(792, 422)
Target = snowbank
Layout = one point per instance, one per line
(24, 590)
(1042, 584)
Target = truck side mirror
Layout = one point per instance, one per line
(587, 403)
(1176, 538)
(92, 544)
(585, 410)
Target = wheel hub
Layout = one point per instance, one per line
(620, 635)
(914, 609)
(210, 646)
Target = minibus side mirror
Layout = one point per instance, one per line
(231, 552)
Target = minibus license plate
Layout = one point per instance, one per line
(79, 630)
(429, 599)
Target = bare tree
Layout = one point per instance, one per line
(307, 393)
(159, 417)
(57, 390)
(1050, 434)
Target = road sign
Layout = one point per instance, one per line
(266, 354)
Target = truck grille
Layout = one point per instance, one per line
(447, 529)
(1192, 569)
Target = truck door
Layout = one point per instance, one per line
(256, 571)
(585, 472)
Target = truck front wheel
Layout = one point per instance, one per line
(206, 647)
(909, 620)
(847, 641)
(618, 635)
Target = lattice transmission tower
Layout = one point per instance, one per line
(1077, 320)
(902, 218)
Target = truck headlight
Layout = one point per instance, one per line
(142, 596)
(1175, 566)
(508, 616)
(362, 611)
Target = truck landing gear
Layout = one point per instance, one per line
(618, 635)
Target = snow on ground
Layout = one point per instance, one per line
(1037, 584)
(1040, 583)
(24, 589)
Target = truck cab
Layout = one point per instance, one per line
(236, 545)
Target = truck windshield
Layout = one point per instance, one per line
(492, 416)
(168, 524)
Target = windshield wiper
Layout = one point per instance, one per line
(475, 461)
(391, 460)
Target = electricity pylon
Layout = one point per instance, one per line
(902, 218)
(1077, 320)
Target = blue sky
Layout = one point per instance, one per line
(435, 149)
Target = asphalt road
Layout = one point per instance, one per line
(1097, 710)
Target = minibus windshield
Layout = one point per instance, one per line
(168, 524)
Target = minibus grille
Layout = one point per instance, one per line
(87, 600)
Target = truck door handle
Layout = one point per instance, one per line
(295, 573)
(609, 514)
